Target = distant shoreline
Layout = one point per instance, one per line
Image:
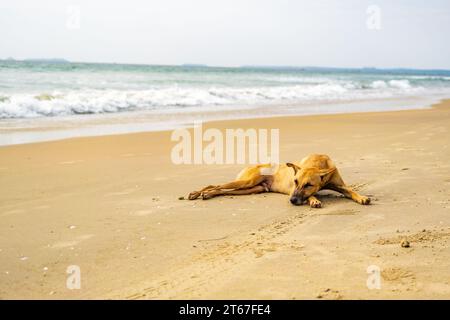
(374, 70)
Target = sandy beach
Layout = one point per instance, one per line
(110, 205)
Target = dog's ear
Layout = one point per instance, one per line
(293, 166)
(324, 172)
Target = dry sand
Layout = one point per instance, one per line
(110, 205)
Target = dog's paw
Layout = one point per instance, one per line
(315, 204)
(364, 200)
(206, 195)
(193, 195)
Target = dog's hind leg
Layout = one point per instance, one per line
(234, 186)
(241, 184)
(240, 192)
(195, 194)
(248, 178)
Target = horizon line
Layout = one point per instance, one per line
(187, 64)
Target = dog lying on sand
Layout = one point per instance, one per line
(301, 180)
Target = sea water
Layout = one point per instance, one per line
(45, 101)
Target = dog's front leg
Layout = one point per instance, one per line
(314, 202)
(349, 193)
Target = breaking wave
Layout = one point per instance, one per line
(96, 101)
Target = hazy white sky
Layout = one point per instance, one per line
(413, 33)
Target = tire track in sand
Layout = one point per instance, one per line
(218, 261)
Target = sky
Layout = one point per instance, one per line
(329, 33)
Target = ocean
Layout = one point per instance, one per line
(46, 101)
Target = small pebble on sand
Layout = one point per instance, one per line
(404, 243)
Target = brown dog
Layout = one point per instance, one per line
(300, 180)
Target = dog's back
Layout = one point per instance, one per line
(319, 161)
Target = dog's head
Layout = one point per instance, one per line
(307, 182)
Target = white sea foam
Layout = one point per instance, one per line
(379, 84)
(442, 78)
(87, 101)
(400, 84)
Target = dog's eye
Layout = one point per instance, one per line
(296, 182)
(307, 185)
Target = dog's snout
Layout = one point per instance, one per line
(295, 201)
